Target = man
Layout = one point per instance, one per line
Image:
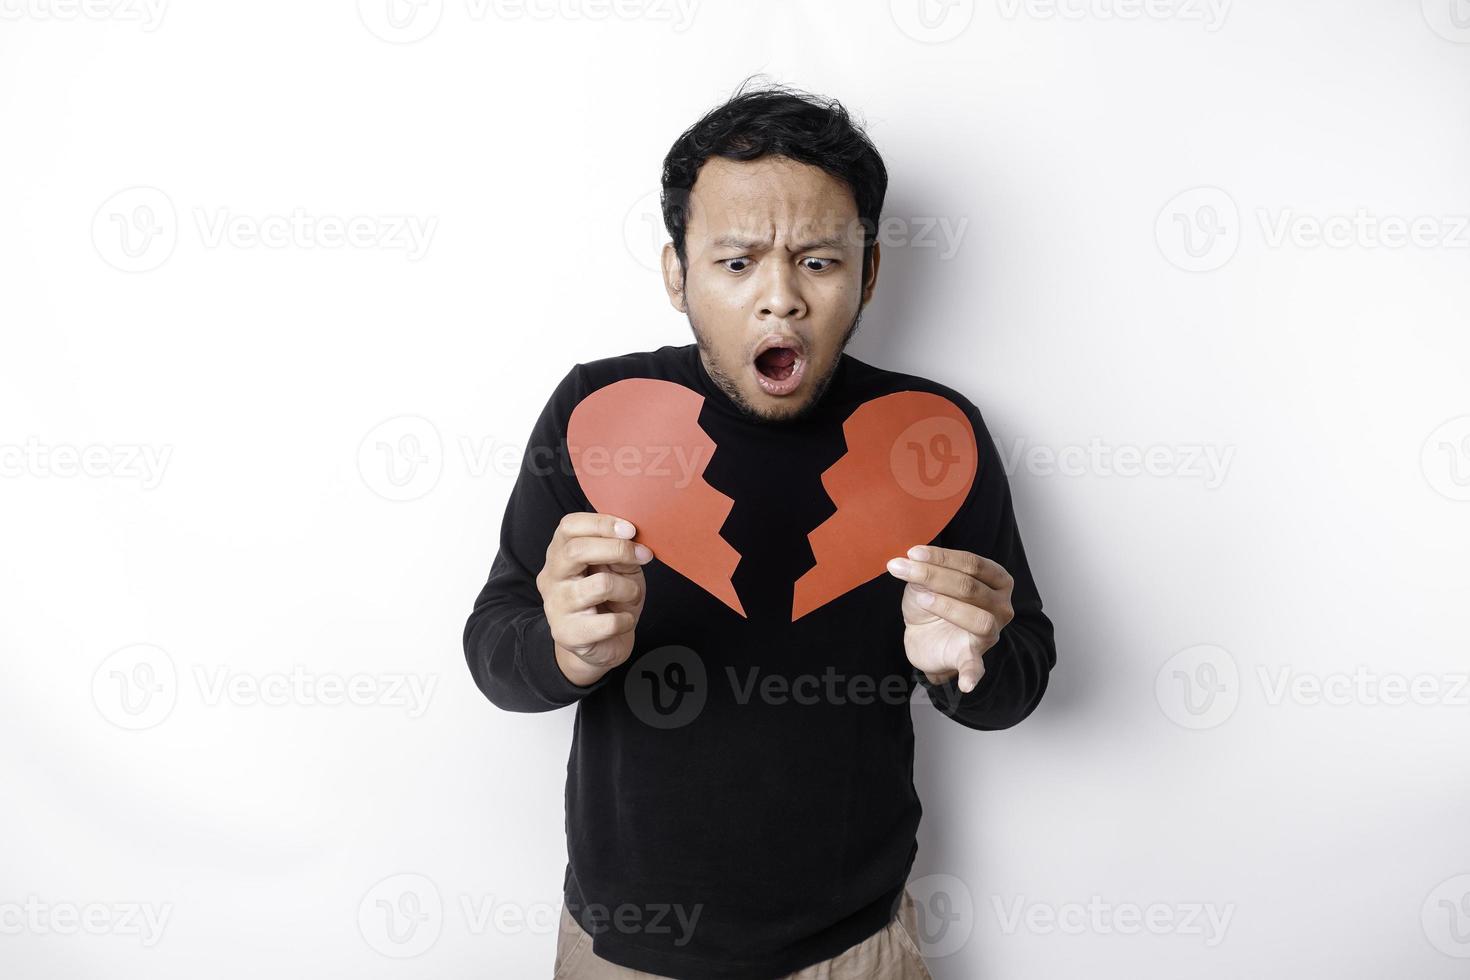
(697, 554)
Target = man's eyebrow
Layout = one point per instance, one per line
(741, 242)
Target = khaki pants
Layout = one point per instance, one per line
(891, 953)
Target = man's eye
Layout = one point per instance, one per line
(726, 263)
(820, 268)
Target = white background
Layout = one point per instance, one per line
(1259, 707)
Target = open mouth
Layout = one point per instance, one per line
(779, 370)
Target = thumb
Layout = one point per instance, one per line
(971, 670)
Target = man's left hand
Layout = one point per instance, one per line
(954, 606)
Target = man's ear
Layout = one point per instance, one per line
(872, 281)
(673, 278)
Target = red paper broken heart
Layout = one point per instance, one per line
(639, 452)
(910, 462)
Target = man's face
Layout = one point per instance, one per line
(774, 287)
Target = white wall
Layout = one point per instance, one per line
(261, 540)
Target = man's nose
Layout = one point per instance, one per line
(782, 299)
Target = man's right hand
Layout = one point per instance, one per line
(592, 590)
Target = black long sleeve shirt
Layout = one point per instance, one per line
(740, 798)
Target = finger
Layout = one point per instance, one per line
(624, 568)
(989, 572)
(972, 619)
(945, 581)
(578, 556)
(582, 524)
(583, 629)
(971, 670)
(939, 680)
(583, 539)
(642, 555)
(604, 586)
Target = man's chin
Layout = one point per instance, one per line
(745, 391)
(757, 402)
(781, 410)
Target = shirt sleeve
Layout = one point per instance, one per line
(507, 639)
(1018, 666)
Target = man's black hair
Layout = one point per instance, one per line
(782, 121)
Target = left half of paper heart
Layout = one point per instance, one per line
(639, 453)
